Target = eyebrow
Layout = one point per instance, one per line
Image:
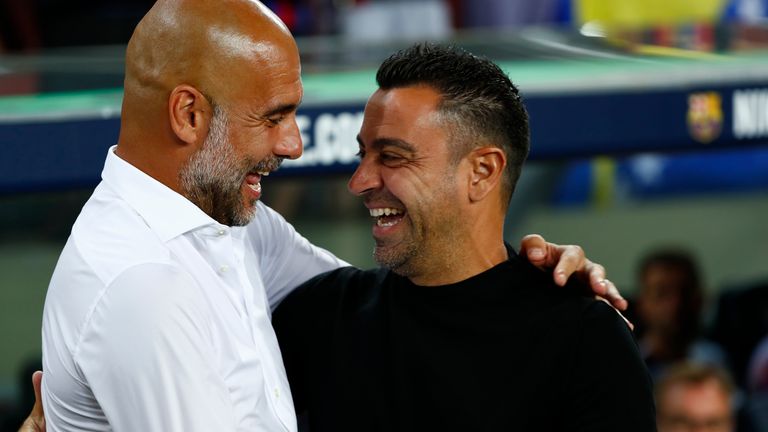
(281, 109)
(389, 142)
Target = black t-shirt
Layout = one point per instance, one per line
(505, 350)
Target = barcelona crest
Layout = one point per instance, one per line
(705, 116)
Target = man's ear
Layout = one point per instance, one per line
(190, 113)
(487, 170)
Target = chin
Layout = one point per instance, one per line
(244, 217)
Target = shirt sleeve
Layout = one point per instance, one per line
(148, 356)
(611, 388)
(287, 259)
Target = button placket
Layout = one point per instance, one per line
(219, 249)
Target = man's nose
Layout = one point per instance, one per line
(365, 178)
(289, 146)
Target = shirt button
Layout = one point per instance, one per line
(221, 232)
(224, 268)
(277, 393)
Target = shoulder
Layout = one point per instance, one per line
(109, 236)
(109, 245)
(267, 221)
(537, 290)
(344, 281)
(340, 288)
(271, 236)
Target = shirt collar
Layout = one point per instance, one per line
(167, 213)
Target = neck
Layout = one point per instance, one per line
(146, 140)
(478, 247)
(154, 155)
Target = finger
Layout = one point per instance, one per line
(613, 295)
(603, 287)
(571, 260)
(533, 246)
(37, 409)
(597, 279)
(628, 322)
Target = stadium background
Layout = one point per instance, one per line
(649, 128)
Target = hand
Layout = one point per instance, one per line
(35, 422)
(570, 260)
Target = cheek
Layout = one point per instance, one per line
(250, 144)
(401, 183)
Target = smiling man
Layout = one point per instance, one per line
(456, 332)
(157, 317)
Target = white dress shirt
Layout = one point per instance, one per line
(157, 317)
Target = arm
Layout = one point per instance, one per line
(569, 260)
(147, 355)
(286, 258)
(610, 388)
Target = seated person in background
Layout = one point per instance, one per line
(691, 397)
(669, 309)
(456, 332)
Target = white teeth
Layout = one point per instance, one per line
(256, 187)
(378, 212)
(381, 223)
(263, 173)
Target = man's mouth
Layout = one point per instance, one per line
(387, 216)
(259, 170)
(253, 181)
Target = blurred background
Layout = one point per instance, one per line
(649, 149)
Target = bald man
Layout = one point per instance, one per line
(157, 317)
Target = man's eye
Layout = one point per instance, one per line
(389, 157)
(274, 121)
(360, 153)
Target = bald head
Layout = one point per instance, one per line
(187, 57)
(212, 45)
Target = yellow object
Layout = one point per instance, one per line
(646, 13)
(603, 181)
(661, 51)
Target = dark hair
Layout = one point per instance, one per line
(672, 257)
(480, 104)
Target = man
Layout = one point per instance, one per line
(669, 307)
(456, 332)
(157, 317)
(695, 397)
(157, 314)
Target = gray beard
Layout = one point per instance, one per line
(213, 177)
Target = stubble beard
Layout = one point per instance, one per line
(398, 257)
(426, 245)
(214, 176)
